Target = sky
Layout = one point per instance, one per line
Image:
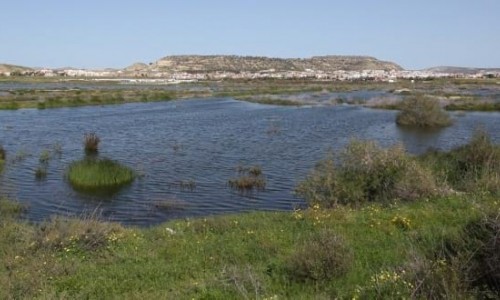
(112, 33)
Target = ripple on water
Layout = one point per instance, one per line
(203, 141)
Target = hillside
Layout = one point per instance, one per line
(461, 70)
(230, 63)
(5, 68)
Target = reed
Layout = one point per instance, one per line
(91, 143)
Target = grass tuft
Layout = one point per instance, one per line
(249, 178)
(91, 143)
(10, 208)
(321, 257)
(2, 153)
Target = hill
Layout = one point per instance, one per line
(5, 68)
(231, 63)
(461, 70)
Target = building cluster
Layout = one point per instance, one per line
(341, 75)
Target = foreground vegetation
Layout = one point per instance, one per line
(406, 227)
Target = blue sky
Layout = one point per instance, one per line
(111, 33)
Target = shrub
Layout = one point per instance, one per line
(88, 234)
(367, 172)
(471, 167)
(321, 257)
(98, 174)
(422, 112)
(91, 143)
(483, 245)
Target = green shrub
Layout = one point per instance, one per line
(474, 166)
(319, 258)
(98, 174)
(367, 173)
(422, 112)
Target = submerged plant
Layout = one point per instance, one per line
(249, 178)
(2, 153)
(40, 172)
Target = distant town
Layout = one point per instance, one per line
(175, 69)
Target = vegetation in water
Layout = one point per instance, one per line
(424, 112)
(249, 178)
(2, 153)
(91, 143)
(99, 174)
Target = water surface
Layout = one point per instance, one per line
(196, 140)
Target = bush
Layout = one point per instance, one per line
(422, 112)
(98, 174)
(471, 167)
(483, 245)
(367, 173)
(91, 143)
(88, 234)
(321, 257)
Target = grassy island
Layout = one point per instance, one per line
(423, 112)
(97, 174)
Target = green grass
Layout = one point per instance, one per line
(98, 174)
(237, 256)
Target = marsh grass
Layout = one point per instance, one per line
(10, 208)
(423, 112)
(41, 172)
(249, 178)
(187, 185)
(99, 174)
(44, 157)
(170, 204)
(91, 143)
(2, 153)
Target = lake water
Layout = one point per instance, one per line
(196, 140)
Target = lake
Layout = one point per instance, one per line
(200, 141)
